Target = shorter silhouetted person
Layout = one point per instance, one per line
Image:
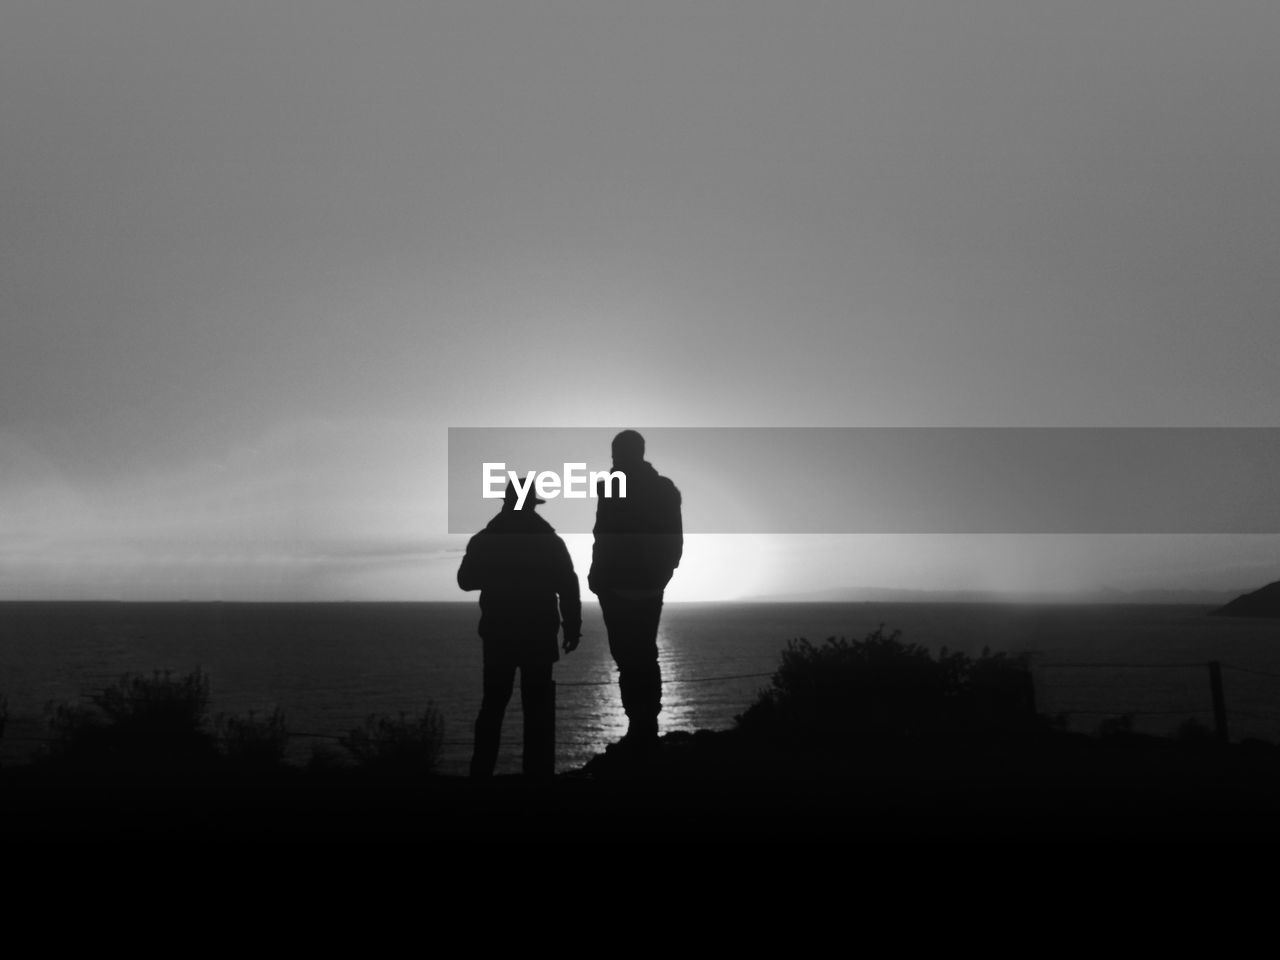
(528, 590)
(638, 543)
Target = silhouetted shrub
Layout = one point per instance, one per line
(1116, 726)
(880, 687)
(406, 744)
(1193, 731)
(254, 741)
(158, 701)
(325, 758)
(156, 720)
(79, 731)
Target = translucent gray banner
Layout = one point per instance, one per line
(896, 479)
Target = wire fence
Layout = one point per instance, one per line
(1204, 693)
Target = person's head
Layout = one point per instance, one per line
(511, 497)
(628, 449)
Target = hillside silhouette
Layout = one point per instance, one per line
(1264, 602)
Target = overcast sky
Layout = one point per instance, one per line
(257, 257)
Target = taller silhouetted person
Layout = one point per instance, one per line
(639, 539)
(528, 590)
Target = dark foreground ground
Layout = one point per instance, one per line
(696, 787)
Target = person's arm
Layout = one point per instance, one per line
(602, 525)
(570, 598)
(674, 533)
(679, 532)
(471, 573)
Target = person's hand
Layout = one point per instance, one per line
(571, 642)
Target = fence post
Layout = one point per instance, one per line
(1219, 701)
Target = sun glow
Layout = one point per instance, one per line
(714, 566)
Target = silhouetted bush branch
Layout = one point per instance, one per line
(254, 741)
(162, 720)
(156, 720)
(157, 701)
(880, 687)
(406, 744)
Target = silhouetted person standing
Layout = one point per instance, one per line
(528, 589)
(638, 543)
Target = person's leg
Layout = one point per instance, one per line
(647, 676)
(632, 625)
(499, 678)
(538, 703)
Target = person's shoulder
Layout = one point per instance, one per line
(527, 521)
(501, 523)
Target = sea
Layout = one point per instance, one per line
(330, 666)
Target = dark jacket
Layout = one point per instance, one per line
(640, 537)
(527, 584)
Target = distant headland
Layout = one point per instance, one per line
(1264, 602)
